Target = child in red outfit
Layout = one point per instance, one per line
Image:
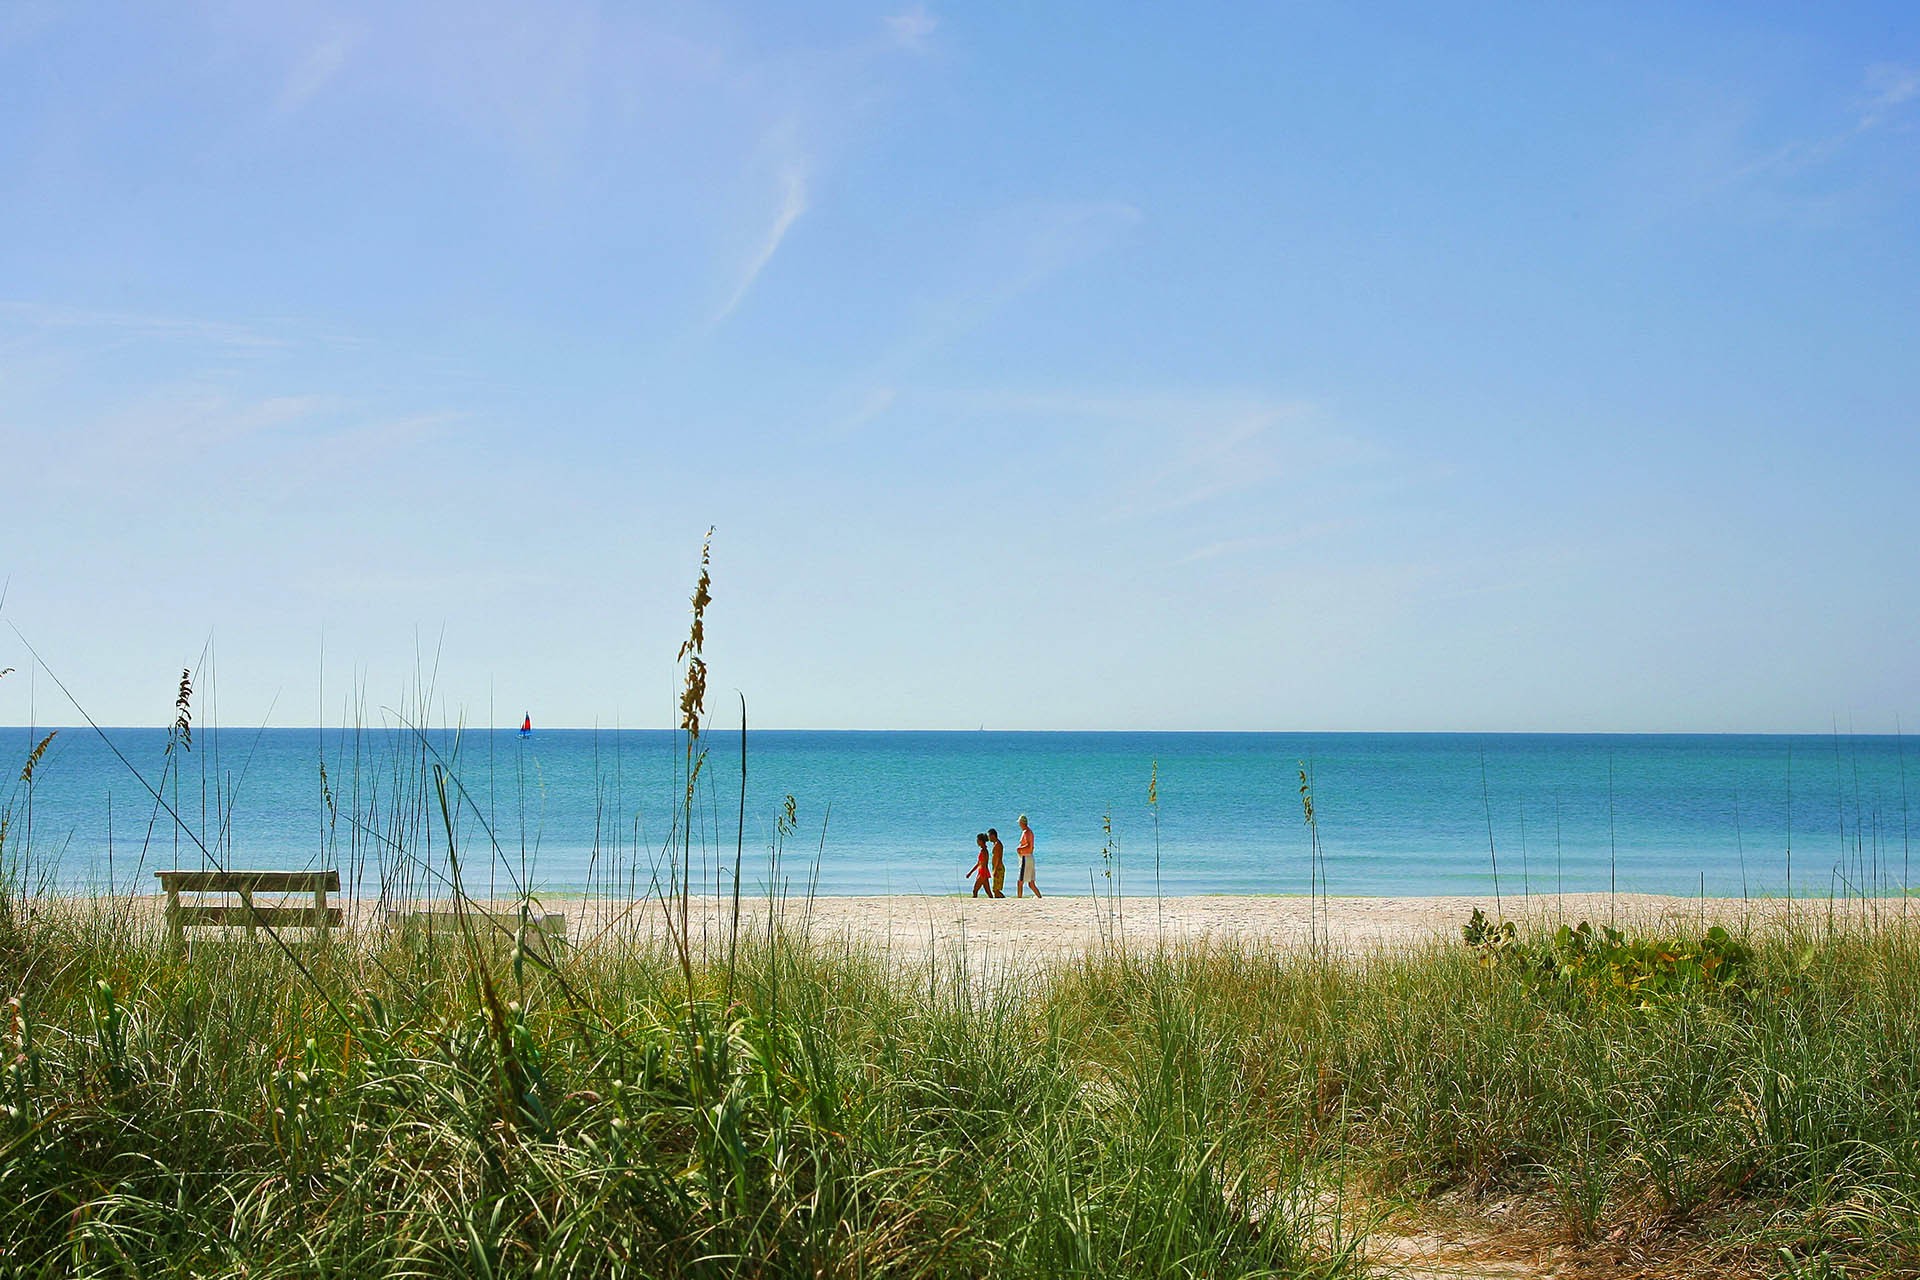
(982, 871)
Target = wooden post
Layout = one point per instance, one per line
(174, 928)
(253, 923)
(320, 907)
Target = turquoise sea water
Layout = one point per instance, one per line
(590, 811)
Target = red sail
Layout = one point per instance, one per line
(526, 724)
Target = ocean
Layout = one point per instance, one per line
(585, 811)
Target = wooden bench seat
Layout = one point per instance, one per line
(426, 922)
(320, 917)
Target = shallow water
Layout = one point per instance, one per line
(590, 811)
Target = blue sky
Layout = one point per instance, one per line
(1295, 366)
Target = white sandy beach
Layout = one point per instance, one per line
(914, 927)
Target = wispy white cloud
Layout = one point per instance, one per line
(185, 436)
(872, 405)
(1212, 462)
(1013, 252)
(581, 95)
(318, 66)
(1243, 450)
(1185, 448)
(357, 436)
(819, 99)
(1121, 405)
(162, 438)
(526, 83)
(1034, 242)
(54, 316)
(912, 28)
(1889, 88)
(1265, 542)
(189, 423)
(790, 205)
(1726, 158)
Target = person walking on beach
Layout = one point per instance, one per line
(999, 863)
(1026, 880)
(981, 872)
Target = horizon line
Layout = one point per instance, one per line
(713, 730)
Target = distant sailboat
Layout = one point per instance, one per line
(526, 726)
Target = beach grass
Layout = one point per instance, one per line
(451, 1107)
(1751, 1123)
(453, 1110)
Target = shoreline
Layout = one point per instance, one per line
(920, 926)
